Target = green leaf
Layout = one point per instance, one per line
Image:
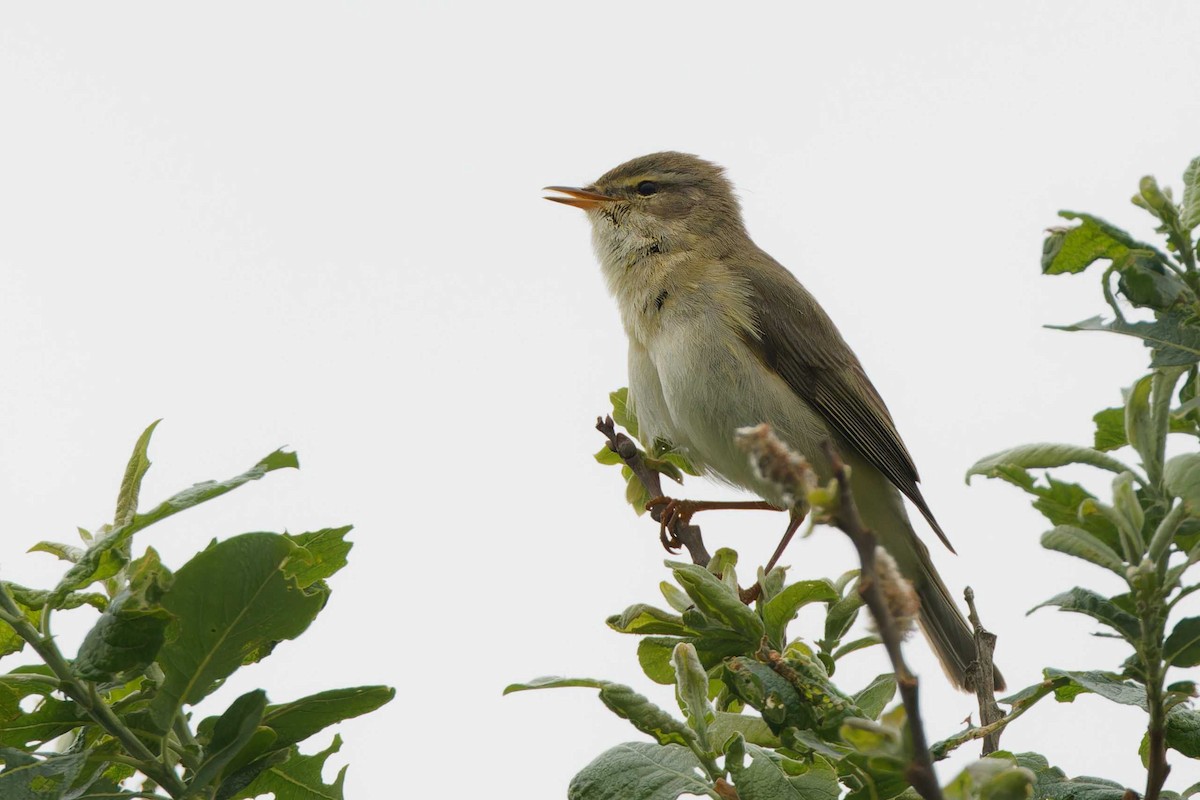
(691, 690)
(606, 455)
(298, 778)
(232, 603)
(841, 616)
(50, 719)
(1084, 601)
(1138, 425)
(858, 644)
(131, 631)
(295, 721)
(1190, 207)
(46, 779)
(1064, 504)
(625, 703)
(131, 484)
(782, 608)
(63, 552)
(644, 619)
(996, 778)
(654, 656)
(1182, 478)
(635, 493)
(1146, 283)
(231, 733)
(1182, 731)
(717, 602)
(327, 550)
(771, 776)
(1106, 684)
(1077, 542)
(752, 728)
(1073, 250)
(1182, 648)
(1110, 429)
(641, 770)
(622, 414)
(88, 569)
(873, 699)
(1041, 456)
(1174, 337)
(1053, 784)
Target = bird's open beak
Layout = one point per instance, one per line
(580, 198)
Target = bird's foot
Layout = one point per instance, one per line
(673, 514)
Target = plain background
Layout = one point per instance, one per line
(321, 226)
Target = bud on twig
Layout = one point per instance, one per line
(774, 462)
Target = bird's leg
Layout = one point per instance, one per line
(798, 516)
(672, 513)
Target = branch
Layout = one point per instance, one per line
(950, 743)
(982, 673)
(86, 696)
(845, 516)
(688, 535)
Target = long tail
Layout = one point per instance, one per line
(882, 509)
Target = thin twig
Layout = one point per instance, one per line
(920, 771)
(943, 748)
(983, 674)
(688, 535)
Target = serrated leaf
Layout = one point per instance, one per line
(232, 603)
(1084, 601)
(1075, 249)
(298, 778)
(782, 608)
(49, 719)
(131, 483)
(641, 770)
(1106, 684)
(1174, 336)
(45, 779)
(1063, 503)
(87, 569)
(327, 550)
(1075, 541)
(1110, 429)
(1051, 783)
(1043, 456)
(1182, 647)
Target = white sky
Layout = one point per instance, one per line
(322, 226)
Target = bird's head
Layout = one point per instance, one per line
(659, 203)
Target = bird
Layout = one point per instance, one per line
(722, 336)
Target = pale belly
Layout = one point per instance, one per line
(696, 397)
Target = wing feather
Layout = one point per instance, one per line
(796, 338)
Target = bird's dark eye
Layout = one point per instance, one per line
(647, 188)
